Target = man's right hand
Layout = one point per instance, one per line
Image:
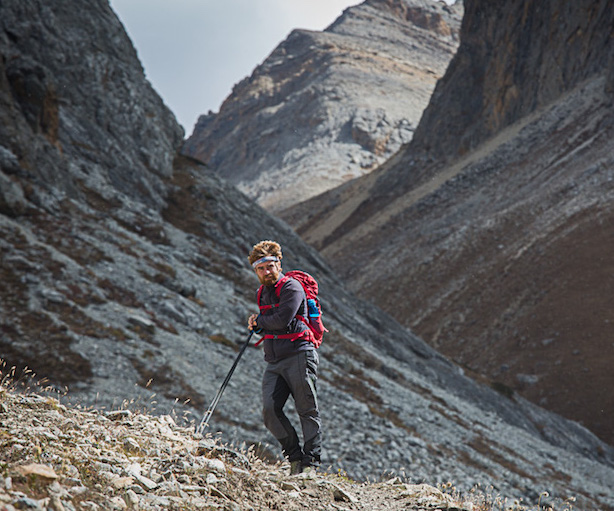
(252, 322)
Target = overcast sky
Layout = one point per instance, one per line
(194, 51)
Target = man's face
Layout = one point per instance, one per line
(268, 272)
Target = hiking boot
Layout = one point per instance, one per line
(296, 467)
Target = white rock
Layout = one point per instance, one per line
(215, 465)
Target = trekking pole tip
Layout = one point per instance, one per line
(199, 431)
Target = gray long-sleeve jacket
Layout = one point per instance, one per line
(282, 320)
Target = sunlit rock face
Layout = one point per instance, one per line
(326, 107)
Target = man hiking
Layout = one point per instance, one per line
(292, 360)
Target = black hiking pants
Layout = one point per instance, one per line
(295, 375)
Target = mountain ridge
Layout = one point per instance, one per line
(328, 106)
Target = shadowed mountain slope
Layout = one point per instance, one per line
(490, 234)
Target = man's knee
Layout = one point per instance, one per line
(270, 413)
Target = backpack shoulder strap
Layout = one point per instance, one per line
(280, 284)
(278, 287)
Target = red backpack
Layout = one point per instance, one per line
(314, 315)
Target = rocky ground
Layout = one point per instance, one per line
(54, 457)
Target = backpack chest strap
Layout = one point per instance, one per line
(278, 287)
(268, 307)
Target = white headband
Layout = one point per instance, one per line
(264, 259)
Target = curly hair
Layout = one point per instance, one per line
(263, 249)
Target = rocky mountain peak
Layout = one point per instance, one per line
(326, 107)
(423, 14)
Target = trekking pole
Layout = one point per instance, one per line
(205, 422)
